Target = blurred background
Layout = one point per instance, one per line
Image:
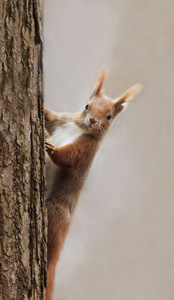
(121, 242)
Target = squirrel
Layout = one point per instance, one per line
(71, 144)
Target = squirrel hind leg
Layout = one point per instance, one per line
(50, 282)
(58, 224)
(53, 252)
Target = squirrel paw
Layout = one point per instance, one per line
(49, 147)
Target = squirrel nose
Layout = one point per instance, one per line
(92, 120)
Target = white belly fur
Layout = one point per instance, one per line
(62, 136)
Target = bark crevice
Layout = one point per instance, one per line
(22, 179)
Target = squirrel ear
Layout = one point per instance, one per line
(128, 95)
(99, 84)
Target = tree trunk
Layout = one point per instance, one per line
(22, 180)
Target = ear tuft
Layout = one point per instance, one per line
(99, 84)
(129, 94)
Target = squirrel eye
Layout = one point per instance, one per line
(86, 106)
(109, 117)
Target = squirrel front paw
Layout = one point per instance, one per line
(49, 147)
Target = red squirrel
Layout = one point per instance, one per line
(73, 142)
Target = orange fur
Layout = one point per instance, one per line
(72, 162)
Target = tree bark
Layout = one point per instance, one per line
(22, 180)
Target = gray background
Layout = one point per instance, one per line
(121, 245)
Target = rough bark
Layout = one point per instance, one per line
(22, 180)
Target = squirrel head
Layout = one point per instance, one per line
(100, 111)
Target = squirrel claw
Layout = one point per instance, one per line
(49, 146)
